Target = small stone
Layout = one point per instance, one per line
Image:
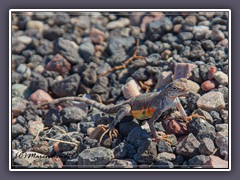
(191, 20)
(72, 114)
(221, 78)
(41, 147)
(122, 22)
(35, 126)
(216, 162)
(208, 85)
(217, 35)
(90, 74)
(96, 36)
(147, 152)
(58, 64)
(17, 130)
(38, 82)
(25, 40)
(193, 86)
(165, 156)
(222, 142)
(206, 147)
(164, 79)
(121, 163)
(67, 87)
(188, 146)
(175, 127)
(201, 129)
(40, 96)
(183, 70)
(86, 51)
(53, 33)
(199, 161)
(18, 105)
(162, 165)
(208, 45)
(185, 36)
(126, 127)
(120, 151)
(38, 25)
(221, 127)
(21, 90)
(211, 101)
(137, 137)
(95, 157)
(223, 42)
(141, 75)
(177, 28)
(207, 116)
(224, 116)
(131, 89)
(163, 146)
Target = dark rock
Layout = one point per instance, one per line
(95, 157)
(58, 63)
(217, 35)
(140, 75)
(118, 58)
(38, 82)
(45, 47)
(137, 137)
(201, 129)
(72, 114)
(67, 50)
(120, 151)
(188, 146)
(185, 36)
(65, 146)
(126, 127)
(163, 146)
(146, 153)
(53, 33)
(86, 51)
(90, 75)
(83, 126)
(17, 130)
(199, 161)
(208, 45)
(73, 127)
(192, 101)
(66, 87)
(22, 121)
(178, 161)
(131, 151)
(206, 147)
(71, 163)
(61, 18)
(162, 165)
(52, 118)
(205, 114)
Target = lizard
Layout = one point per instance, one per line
(144, 106)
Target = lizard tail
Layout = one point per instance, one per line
(105, 108)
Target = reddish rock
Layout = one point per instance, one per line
(212, 70)
(96, 36)
(154, 16)
(131, 89)
(208, 85)
(216, 162)
(35, 126)
(177, 28)
(55, 162)
(183, 70)
(40, 96)
(172, 126)
(223, 42)
(56, 147)
(59, 64)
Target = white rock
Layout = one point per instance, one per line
(221, 78)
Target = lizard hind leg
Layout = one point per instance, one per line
(110, 129)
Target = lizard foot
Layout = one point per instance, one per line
(164, 137)
(112, 132)
(188, 118)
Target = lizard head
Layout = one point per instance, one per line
(177, 88)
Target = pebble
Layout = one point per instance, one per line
(221, 78)
(199, 161)
(25, 40)
(185, 36)
(212, 100)
(188, 146)
(59, 64)
(208, 85)
(137, 137)
(120, 23)
(38, 25)
(41, 147)
(217, 35)
(207, 116)
(212, 70)
(86, 51)
(90, 74)
(17, 130)
(164, 79)
(97, 36)
(175, 127)
(52, 118)
(126, 127)
(53, 33)
(21, 90)
(146, 153)
(208, 45)
(216, 162)
(18, 105)
(66, 87)
(38, 82)
(120, 151)
(163, 146)
(40, 96)
(121, 163)
(97, 157)
(201, 129)
(131, 89)
(222, 143)
(35, 126)
(193, 86)
(206, 147)
(165, 156)
(68, 50)
(221, 127)
(183, 70)
(141, 75)
(72, 114)
(162, 165)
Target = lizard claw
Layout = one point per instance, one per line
(112, 132)
(188, 118)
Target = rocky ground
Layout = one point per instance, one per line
(59, 54)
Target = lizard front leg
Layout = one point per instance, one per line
(125, 110)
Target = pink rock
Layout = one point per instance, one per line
(172, 126)
(164, 79)
(96, 36)
(34, 127)
(212, 70)
(55, 162)
(183, 70)
(216, 162)
(40, 96)
(59, 64)
(223, 42)
(208, 85)
(131, 89)
(177, 28)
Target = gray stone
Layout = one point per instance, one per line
(163, 146)
(165, 156)
(86, 51)
(221, 127)
(221, 78)
(206, 147)
(205, 114)
(120, 151)
(199, 161)
(185, 36)
(211, 101)
(96, 157)
(17, 130)
(137, 137)
(121, 163)
(162, 165)
(21, 91)
(146, 153)
(73, 114)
